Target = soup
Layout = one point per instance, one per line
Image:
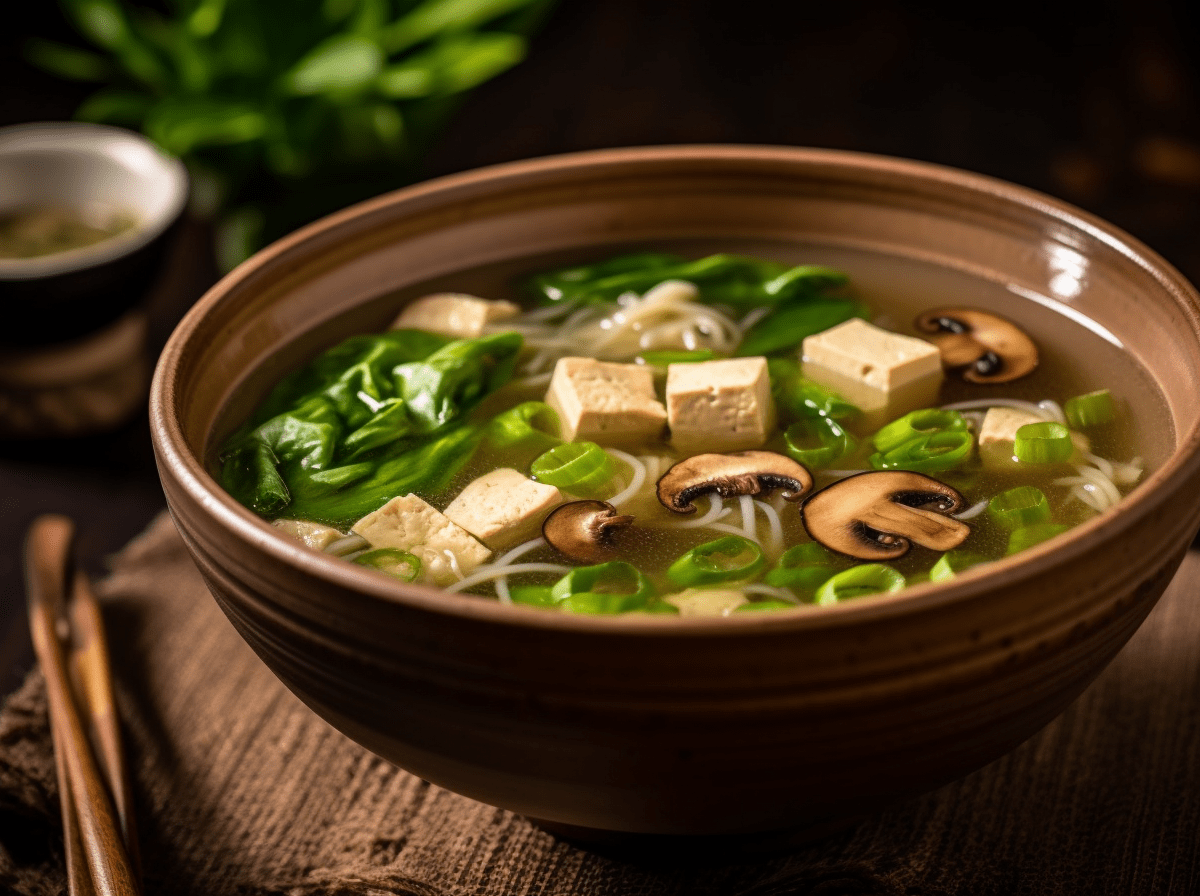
(666, 434)
(37, 231)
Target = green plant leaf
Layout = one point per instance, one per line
(67, 62)
(468, 62)
(182, 125)
(344, 63)
(205, 19)
(115, 107)
(435, 17)
(100, 21)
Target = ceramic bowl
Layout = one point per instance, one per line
(98, 171)
(687, 726)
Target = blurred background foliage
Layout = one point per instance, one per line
(285, 110)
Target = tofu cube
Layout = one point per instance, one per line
(1001, 425)
(315, 535)
(454, 314)
(699, 602)
(503, 507)
(718, 406)
(886, 374)
(409, 524)
(605, 403)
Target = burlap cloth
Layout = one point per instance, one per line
(242, 790)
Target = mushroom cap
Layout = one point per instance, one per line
(740, 473)
(584, 530)
(966, 336)
(880, 515)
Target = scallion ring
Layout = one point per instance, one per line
(1028, 536)
(818, 441)
(952, 563)
(1020, 506)
(859, 581)
(804, 566)
(1092, 409)
(605, 589)
(918, 423)
(1043, 443)
(930, 453)
(581, 468)
(393, 561)
(728, 559)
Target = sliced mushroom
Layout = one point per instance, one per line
(584, 530)
(879, 515)
(740, 473)
(989, 348)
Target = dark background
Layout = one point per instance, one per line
(1095, 103)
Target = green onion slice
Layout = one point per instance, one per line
(952, 563)
(532, 595)
(1092, 409)
(858, 581)
(918, 423)
(728, 559)
(393, 561)
(929, 453)
(805, 566)
(663, 358)
(1020, 506)
(818, 441)
(769, 604)
(607, 588)
(1043, 443)
(1028, 536)
(581, 468)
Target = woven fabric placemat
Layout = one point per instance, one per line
(241, 790)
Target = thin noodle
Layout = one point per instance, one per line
(973, 511)
(638, 480)
(771, 591)
(485, 573)
(1053, 408)
(1015, 403)
(346, 544)
(733, 530)
(519, 551)
(502, 591)
(749, 529)
(775, 541)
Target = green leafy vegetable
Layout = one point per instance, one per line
(790, 324)
(797, 398)
(383, 414)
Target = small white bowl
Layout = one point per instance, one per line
(96, 169)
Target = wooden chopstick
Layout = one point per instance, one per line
(47, 556)
(91, 675)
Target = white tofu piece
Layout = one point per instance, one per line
(503, 508)
(605, 403)
(1001, 425)
(458, 315)
(409, 524)
(315, 535)
(885, 374)
(718, 406)
(701, 602)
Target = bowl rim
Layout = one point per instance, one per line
(189, 471)
(98, 140)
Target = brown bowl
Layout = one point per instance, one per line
(689, 726)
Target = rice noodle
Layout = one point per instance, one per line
(734, 530)
(502, 591)
(491, 571)
(716, 510)
(775, 527)
(519, 551)
(754, 317)
(639, 477)
(973, 511)
(746, 503)
(454, 567)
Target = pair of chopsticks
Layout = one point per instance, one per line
(93, 779)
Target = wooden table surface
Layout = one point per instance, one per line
(1096, 103)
